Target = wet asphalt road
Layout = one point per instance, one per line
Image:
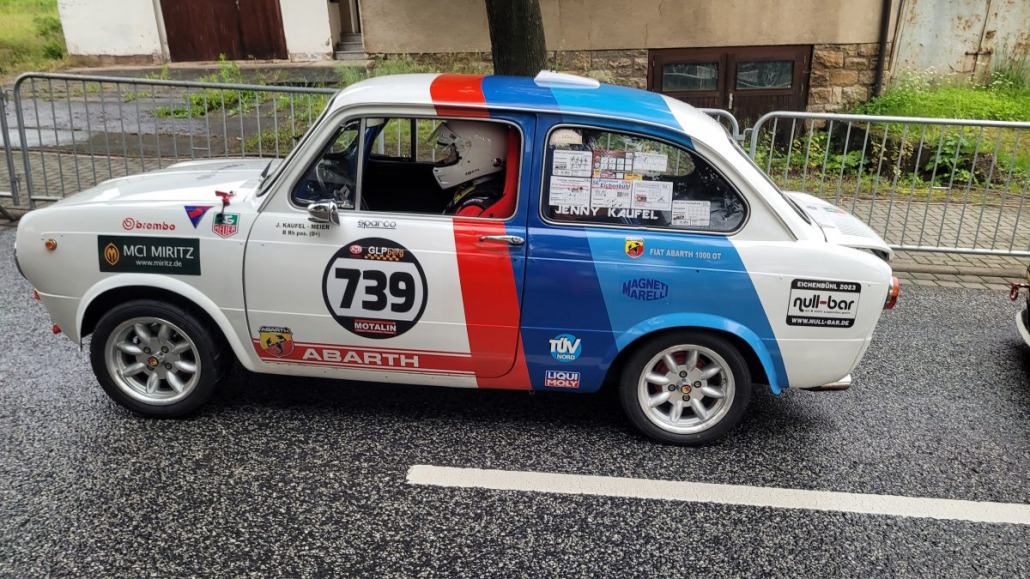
(306, 477)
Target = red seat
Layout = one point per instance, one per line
(505, 206)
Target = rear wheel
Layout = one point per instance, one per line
(156, 358)
(687, 388)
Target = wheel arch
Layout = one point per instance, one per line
(757, 356)
(112, 291)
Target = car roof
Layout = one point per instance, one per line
(456, 94)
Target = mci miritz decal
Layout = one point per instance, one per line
(375, 288)
(131, 254)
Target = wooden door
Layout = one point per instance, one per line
(207, 29)
(749, 81)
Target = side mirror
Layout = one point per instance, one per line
(324, 212)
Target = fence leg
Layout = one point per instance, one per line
(7, 154)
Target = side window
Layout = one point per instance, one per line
(332, 175)
(610, 178)
(441, 166)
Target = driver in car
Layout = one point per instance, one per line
(473, 168)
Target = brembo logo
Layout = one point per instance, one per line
(130, 224)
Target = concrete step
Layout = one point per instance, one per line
(350, 47)
(350, 37)
(350, 56)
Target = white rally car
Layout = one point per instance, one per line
(470, 231)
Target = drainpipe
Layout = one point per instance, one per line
(881, 55)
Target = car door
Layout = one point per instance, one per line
(385, 294)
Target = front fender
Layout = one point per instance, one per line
(175, 286)
(773, 370)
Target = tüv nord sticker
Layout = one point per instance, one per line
(831, 304)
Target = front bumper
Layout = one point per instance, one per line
(1021, 325)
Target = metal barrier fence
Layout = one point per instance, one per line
(922, 184)
(76, 131)
(5, 140)
(945, 185)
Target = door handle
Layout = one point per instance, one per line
(509, 239)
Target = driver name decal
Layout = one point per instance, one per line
(375, 288)
(819, 303)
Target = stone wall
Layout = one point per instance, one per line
(842, 74)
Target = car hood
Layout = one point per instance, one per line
(839, 226)
(191, 181)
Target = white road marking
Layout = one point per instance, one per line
(576, 484)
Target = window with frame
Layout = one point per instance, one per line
(419, 165)
(614, 178)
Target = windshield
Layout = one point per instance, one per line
(797, 208)
(276, 170)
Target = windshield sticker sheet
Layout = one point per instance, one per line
(654, 195)
(654, 163)
(571, 163)
(610, 194)
(570, 192)
(692, 213)
(819, 303)
(610, 164)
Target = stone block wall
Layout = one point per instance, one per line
(842, 74)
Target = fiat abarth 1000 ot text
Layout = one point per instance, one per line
(483, 232)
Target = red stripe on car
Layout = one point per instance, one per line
(448, 90)
(491, 301)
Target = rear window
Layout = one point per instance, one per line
(613, 178)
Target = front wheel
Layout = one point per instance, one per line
(155, 358)
(687, 388)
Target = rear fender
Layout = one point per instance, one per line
(704, 321)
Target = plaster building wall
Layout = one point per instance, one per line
(114, 30)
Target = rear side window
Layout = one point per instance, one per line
(612, 178)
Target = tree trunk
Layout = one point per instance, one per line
(516, 36)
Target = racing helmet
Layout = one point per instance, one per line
(475, 149)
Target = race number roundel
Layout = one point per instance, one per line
(375, 288)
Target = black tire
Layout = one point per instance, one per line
(189, 341)
(733, 381)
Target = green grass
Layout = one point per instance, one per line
(1004, 95)
(30, 36)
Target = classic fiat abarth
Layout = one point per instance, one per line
(481, 232)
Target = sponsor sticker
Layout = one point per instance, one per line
(130, 224)
(645, 289)
(196, 213)
(375, 288)
(376, 224)
(340, 355)
(822, 303)
(565, 347)
(128, 253)
(634, 247)
(561, 379)
(225, 224)
(276, 341)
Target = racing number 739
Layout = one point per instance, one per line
(401, 285)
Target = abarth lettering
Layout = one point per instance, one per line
(383, 359)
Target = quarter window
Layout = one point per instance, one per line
(612, 178)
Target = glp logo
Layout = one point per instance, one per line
(565, 347)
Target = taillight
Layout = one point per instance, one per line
(892, 293)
